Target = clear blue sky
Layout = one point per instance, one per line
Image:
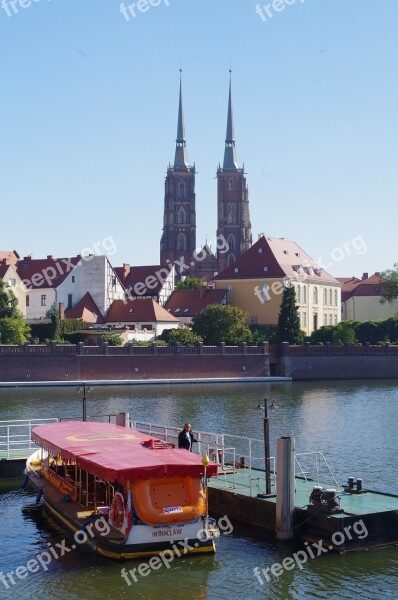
(89, 115)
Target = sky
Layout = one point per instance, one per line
(89, 100)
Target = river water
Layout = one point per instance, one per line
(354, 423)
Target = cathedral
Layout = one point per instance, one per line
(178, 242)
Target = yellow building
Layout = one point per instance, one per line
(360, 300)
(255, 283)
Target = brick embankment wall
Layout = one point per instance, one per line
(27, 368)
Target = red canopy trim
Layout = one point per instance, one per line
(117, 453)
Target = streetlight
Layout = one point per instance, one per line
(84, 389)
(266, 449)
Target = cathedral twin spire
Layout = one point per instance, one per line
(181, 156)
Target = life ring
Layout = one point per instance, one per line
(117, 510)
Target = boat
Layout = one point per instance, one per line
(125, 494)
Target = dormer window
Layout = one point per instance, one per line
(265, 269)
(236, 270)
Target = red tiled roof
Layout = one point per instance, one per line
(85, 309)
(370, 287)
(273, 257)
(43, 273)
(187, 303)
(3, 270)
(132, 276)
(11, 258)
(138, 311)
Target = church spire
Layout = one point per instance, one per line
(230, 159)
(181, 157)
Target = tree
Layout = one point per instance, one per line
(218, 323)
(189, 283)
(185, 336)
(13, 329)
(8, 302)
(289, 320)
(344, 333)
(389, 285)
(113, 339)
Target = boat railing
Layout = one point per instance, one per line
(314, 466)
(15, 437)
(241, 460)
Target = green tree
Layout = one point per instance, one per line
(13, 331)
(289, 321)
(189, 283)
(218, 323)
(389, 286)
(185, 336)
(8, 302)
(113, 339)
(344, 333)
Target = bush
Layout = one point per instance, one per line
(113, 339)
(186, 337)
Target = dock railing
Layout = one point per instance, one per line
(15, 437)
(233, 454)
(314, 466)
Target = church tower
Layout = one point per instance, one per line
(233, 217)
(178, 240)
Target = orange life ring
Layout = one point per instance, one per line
(117, 510)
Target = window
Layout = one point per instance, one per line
(231, 214)
(335, 297)
(43, 300)
(73, 279)
(299, 294)
(236, 270)
(325, 296)
(325, 319)
(230, 185)
(181, 216)
(335, 319)
(315, 295)
(330, 319)
(304, 319)
(181, 190)
(70, 300)
(177, 310)
(181, 242)
(145, 326)
(231, 260)
(304, 294)
(12, 282)
(253, 321)
(27, 300)
(265, 269)
(231, 242)
(330, 297)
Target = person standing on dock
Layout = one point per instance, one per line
(185, 438)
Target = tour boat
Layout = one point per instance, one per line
(149, 496)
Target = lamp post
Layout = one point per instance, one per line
(84, 389)
(266, 450)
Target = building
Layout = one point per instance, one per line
(145, 318)
(86, 310)
(178, 241)
(255, 283)
(9, 275)
(360, 299)
(153, 281)
(233, 216)
(11, 258)
(185, 304)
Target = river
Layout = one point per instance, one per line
(353, 423)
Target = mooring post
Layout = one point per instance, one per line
(123, 419)
(285, 453)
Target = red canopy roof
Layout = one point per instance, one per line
(117, 453)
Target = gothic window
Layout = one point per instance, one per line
(181, 216)
(231, 260)
(181, 242)
(181, 190)
(231, 242)
(230, 185)
(231, 214)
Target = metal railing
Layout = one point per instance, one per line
(318, 465)
(15, 437)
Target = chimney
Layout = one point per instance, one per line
(27, 258)
(61, 311)
(126, 270)
(365, 276)
(50, 257)
(202, 291)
